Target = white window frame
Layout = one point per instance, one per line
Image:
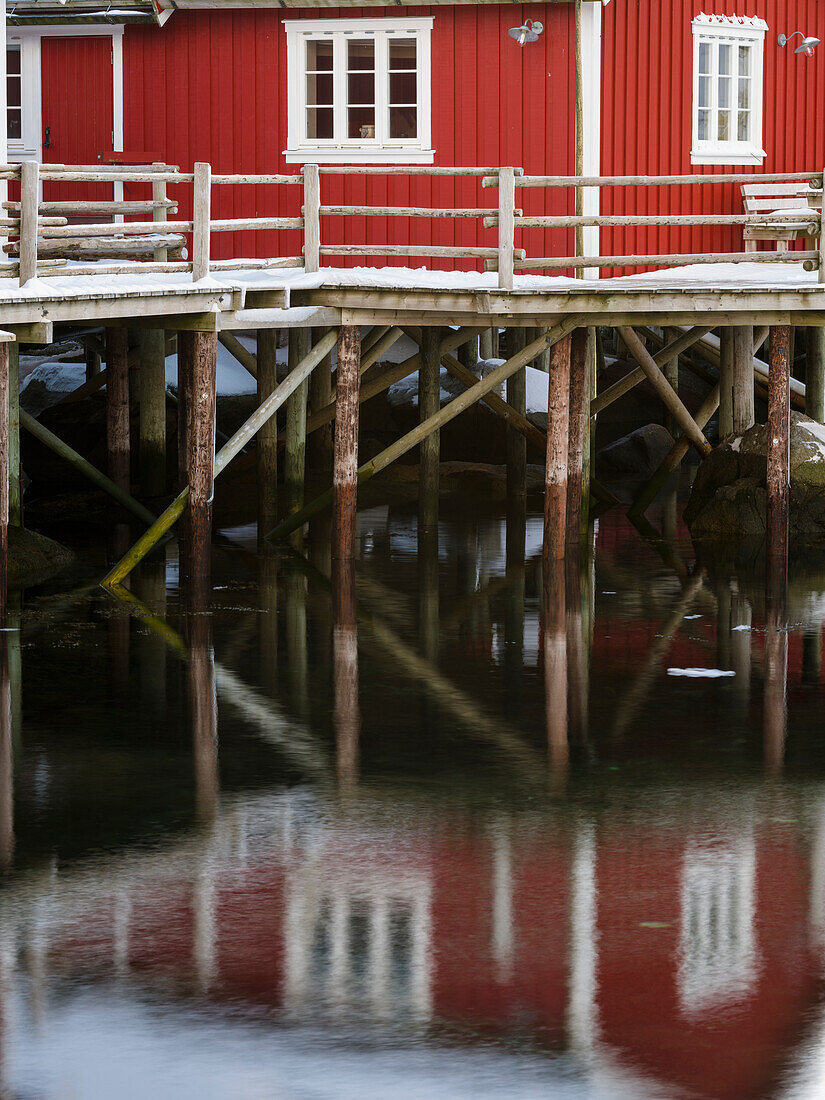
(381, 149)
(30, 147)
(738, 30)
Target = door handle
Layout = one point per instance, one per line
(47, 142)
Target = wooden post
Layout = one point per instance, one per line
(320, 395)
(117, 406)
(345, 474)
(15, 488)
(4, 477)
(468, 354)
(815, 375)
(485, 344)
(555, 478)
(29, 197)
(506, 226)
(516, 443)
(296, 427)
(267, 441)
(726, 375)
(159, 214)
(92, 363)
(312, 218)
(152, 392)
(742, 403)
(579, 365)
(670, 369)
(201, 457)
(201, 220)
(779, 458)
(429, 403)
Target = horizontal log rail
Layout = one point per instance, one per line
(158, 244)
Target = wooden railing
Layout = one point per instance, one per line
(34, 224)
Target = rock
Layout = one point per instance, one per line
(728, 496)
(48, 383)
(34, 558)
(636, 455)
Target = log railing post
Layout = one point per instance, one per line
(345, 473)
(312, 218)
(506, 226)
(201, 217)
(159, 212)
(29, 189)
(778, 482)
(821, 272)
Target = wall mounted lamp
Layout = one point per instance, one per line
(529, 31)
(806, 46)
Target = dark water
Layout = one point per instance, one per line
(494, 848)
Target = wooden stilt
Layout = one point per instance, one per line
(579, 354)
(267, 440)
(555, 478)
(204, 351)
(296, 429)
(347, 713)
(485, 344)
(670, 369)
(15, 487)
(4, 477)
(726, 383)
(321, 444)
(152, 395)
(517, 399)
(815, 375)
(742, 405)
(779, 457)
(468, 354)
(429, 403)
(92, 356)
(345, 474)
(117, 406)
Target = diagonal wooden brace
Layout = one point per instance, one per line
(634, 377)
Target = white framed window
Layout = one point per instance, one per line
(727, 89)
(359, 90)
(23, 97)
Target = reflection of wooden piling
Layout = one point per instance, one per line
(150, 583)
(15, 486)
(555, 670)
(345, 475)
(6, 759)
(201, 418)
(117, 406)
(295, 615)
(347, 715)
(513, 657)
(428, 591)
(268, 617)
(203, 712)
(555, 482)
(152, 397)
(429, 402)
(775, 715)
(778, 469)
(579, 363)
(4, 476)
(267, 438)
(296, 431)
(517, 398)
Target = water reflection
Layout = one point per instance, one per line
(580, 849)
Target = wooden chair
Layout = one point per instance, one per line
(759, 198)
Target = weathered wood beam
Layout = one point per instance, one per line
(634, 377)
(117, 406)
(579, 356)
(555, 475)
(778, 482)
(235, 348)
(429, 402)
(345, 469)
(152, 398)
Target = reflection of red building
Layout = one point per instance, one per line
(680, 948)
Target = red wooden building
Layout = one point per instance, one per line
(263, 87)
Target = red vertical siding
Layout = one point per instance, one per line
(212, 86)
(646, 114)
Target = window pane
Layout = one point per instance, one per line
(744, 60)
(14, 123)
(724, 92)
(743, 130)
(319, 122)
(319, 89)
(724, 60)
(360, 55)
(704, 57)
(13, 91)
(402, 87)
(724, 126)
(402, 53)
(403, 122)
(361, 123)
(704, 126)
(319, 57)
(13, 59)
(361, 88)
(744, 94)
(704, 91)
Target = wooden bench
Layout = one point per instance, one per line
(765, 198)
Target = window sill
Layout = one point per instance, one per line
(359, 156)
(720, 156)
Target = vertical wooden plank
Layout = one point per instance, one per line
(743, 403)
(201, 217)
(579, 364)
(516, 390)
(506, 226)
(201, 457)
(267, 437)
(296, 428)
(778, 468)
(29, 195)
(117, 406)
(815, 375)
(429, 402)
(15, 488)
(312, 218)
(345, 471)
(152, 396)
(555, 480)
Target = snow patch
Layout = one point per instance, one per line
(700, 673)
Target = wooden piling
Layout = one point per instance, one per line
(15, 487)
(579, 364)
(815, 375)
(203, 711)
(267, 441)
(742, 402)
(485, 344)
(779, 458)
(555, 478)
(152, 396)
(117, 406)
(201, 456)
(4, 477)
(555, 671)
(670, 369)
(517, 398)
(345, 473)
(429, 403)
(296, 426)
(726, 383)
(468, 353)
(321, 444)
(92, 356)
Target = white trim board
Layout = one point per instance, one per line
(592, 94)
